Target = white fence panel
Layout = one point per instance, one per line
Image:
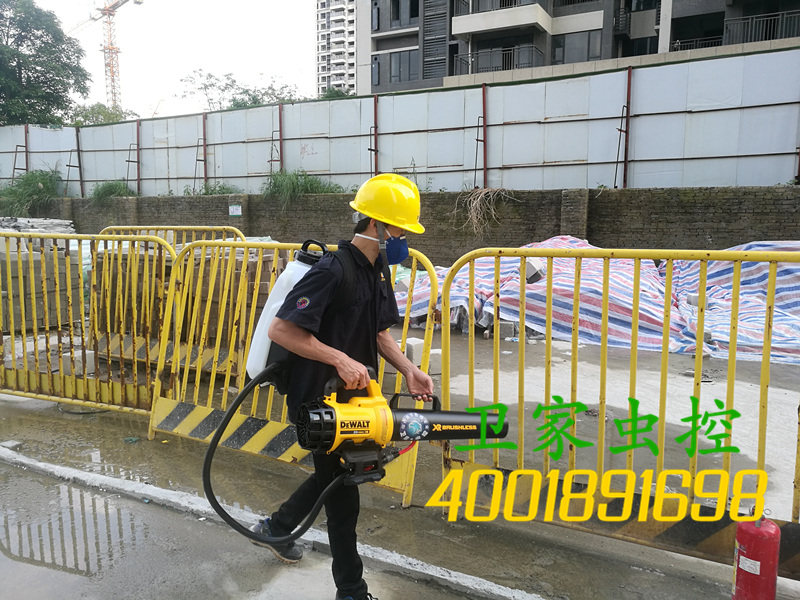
(725, 121)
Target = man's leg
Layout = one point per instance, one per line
(342, 508)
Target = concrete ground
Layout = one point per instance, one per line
(119, 540)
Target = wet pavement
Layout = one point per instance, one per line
(75, 541)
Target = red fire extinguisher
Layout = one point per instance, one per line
(755, 560)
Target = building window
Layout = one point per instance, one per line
(637, 5)
(404, 66)
(576, 47)
(648, 45)
(376, 71)
(376, 17)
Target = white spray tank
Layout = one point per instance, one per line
(260, 343)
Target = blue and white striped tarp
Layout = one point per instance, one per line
(683, 315)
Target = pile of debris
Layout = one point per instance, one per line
(44, 226)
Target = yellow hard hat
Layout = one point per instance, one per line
(391, 199)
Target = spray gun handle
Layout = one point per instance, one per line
(335, 383)
(394, 402)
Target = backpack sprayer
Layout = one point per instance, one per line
(358, 431)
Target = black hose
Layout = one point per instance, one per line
(212, 499)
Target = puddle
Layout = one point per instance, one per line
(63, 527)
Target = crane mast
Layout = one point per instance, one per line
(111, 50)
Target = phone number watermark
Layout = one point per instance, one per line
(671, 495)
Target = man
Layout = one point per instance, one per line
(330, 340)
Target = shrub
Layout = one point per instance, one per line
(32, 194)
(286, 187)
(212, 189)
(103, 192)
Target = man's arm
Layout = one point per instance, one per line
(303, 343)
(419, 383)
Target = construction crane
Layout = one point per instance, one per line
(111, 50)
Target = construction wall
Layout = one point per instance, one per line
(729, 121)
(693, 218)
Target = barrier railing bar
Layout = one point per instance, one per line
(522, 341)
(576, 310)
(662, 395)
(734, 331)
(496, 349)
(119, 305)
(59, 321)
(82, 305)
(601, 418)
(698, 366)
(223, 318)
(765, 364)
(637, 276)
(34, 315)
(471, 357)
(548, 353)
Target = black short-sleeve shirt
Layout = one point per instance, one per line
(352, 329)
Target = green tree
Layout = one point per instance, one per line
(40, 66)
(333, 93)
(225, 92)
(99, 114)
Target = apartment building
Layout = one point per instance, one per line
(336, 45)
(413, 44)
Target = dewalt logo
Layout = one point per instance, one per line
(363, 424)
(440, 427)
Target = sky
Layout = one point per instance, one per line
(163, 41)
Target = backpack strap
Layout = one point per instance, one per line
(345, 294)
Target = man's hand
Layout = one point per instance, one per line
(420, 385)
(353, 373)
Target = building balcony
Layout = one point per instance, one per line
(497, 15)
(498, 59)
(709, 42)
(762, 28)
(463, 7)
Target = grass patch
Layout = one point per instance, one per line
(103, 192)
(287, 187)
(212, 189)
(33, 194)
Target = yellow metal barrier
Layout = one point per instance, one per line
(594, 381)
(203, 352)
(179, 236)
(81, 317)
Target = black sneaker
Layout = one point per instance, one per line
(367, 596)
(288, 552)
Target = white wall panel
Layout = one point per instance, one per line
(711, 134)
(258, 156)
(524, 178)
(710, 172)
(444, 149)
(566, 142)
(659, 89)
(564, 177)
(768, 130)
(762, 170)
(567, 98)
(597, 175)
(406, 150)
(409, 113)
(715, 84)
(763, 71)
(348, 156)
(607, 94)
(508, 104)
(227, 127)
(660, 136)
(604, 140)
(523, 144)
(446, 109)
(262, 122)
(345, 118)
(668, 173)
